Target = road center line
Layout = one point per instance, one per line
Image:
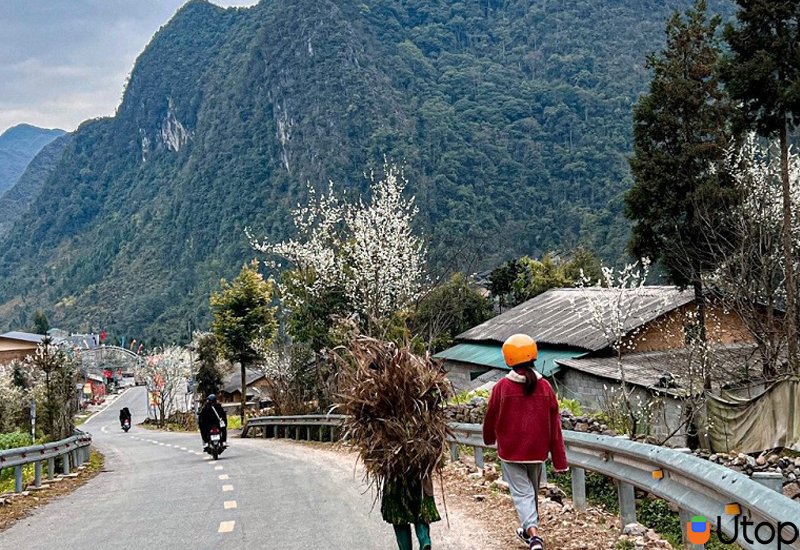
(227, 488)
(226, 526)
(224, 477)
(218, 467)
(229, 504)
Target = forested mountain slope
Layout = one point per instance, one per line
(18, 145)
(512, 117)
(15, 201)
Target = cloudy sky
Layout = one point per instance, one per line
(64, 61)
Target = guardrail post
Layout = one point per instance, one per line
(65, 463)
(308, 433)
(627, 503)
(51, 468)
(579, 488)
(686, 517)
(18, 479)
(771, 480)
(76, 459)
(333, 434)
(297, 433)
(479, 458)
(454, 452)
(37, 473)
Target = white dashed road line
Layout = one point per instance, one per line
(224, 477)
(229, 504)
(227, 488)
(226, 526)
(218, 467)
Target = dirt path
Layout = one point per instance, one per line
(481, 516)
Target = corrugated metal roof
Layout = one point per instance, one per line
(564, 316)
(490, 355)
(23, 336)
(653, 369)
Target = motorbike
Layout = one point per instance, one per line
(215, 446)
(126, 425)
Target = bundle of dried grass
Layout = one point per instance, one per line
(395, 402)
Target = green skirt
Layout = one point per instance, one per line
(407, 502)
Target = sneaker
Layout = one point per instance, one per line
(536, 543)
(523, 536)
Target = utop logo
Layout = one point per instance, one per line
(698, 531)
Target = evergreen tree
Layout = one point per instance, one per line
(680, 131)
(244, 321)
(762, 73)
(209, 375)
(40, 323)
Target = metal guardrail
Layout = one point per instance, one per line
(271, 426)
(73, 451)
(696, 486)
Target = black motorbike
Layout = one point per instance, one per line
(215, 446)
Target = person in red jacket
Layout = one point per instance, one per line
(522, 418)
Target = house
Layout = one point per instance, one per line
(585, 355)
(231, 393)
(18, 345)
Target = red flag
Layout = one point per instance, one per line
(103, 335)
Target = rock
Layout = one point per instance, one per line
(555, 494)
(751, 462)
(490, 473)
(2, 502)
(476, 475)
(792, 490)
(761, 461)
(479, 498)
(581, 427)
(500, 485)
(634, 529)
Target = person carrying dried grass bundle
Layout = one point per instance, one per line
(395, 405)
(522, 417)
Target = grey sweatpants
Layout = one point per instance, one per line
(523, 483)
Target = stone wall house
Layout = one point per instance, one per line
(579, 356)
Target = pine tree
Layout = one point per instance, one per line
(244, 321)
(762, 73)
(680, 131)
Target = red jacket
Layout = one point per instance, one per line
(525, 427)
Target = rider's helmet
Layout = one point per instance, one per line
(211, 398)
(519, 349)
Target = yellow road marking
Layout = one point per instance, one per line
(227, 488)
(230, 504)
(217, 467)
(223, 477)
(226, 526)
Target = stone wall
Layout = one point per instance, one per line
(589, 391)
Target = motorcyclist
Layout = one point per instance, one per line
(124, 415)
(212, 414)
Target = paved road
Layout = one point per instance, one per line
(160, 491)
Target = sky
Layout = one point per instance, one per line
(65, 61)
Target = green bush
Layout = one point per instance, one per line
(571, 405)
(13, 440)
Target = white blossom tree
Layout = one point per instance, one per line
(165, 373)
(751, 272)
(614, 306)
(366, 250)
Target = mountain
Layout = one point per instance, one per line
(512, 118)
(18, 145)
(15, 201)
